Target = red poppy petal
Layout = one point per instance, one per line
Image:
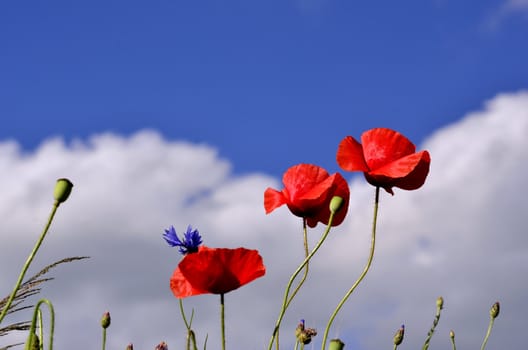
(301, 178)
(350, 155)
(401, 167)
(273, 199)
(221, 270)
(416, 178)
(382, 146)
(181, 288)
(339, 187)
(246, 264)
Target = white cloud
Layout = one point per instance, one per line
(506, 10)
(461, 236)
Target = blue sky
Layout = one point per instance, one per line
(270, 83)
(104, 93)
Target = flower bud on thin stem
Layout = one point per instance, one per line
(439, 307)
(62, 190)
(452, 336)
(336, 344)
(494, 312)
(105, 320)
(162, 346)
(130, 347)
(495, 309)
(335, 204)
(398, 337)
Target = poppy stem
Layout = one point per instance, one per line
(306, 268)
(285, 302)
(28, 261)
(363, 274)
(222, 320)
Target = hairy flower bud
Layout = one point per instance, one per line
(398, 337)
(440, 303)
(105, 320)
(62, 190)
(130, 347)
(495, 309)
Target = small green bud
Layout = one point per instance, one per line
(440, 303)
(105, 320)
(495, 309)
(130, 347)
(398, 337)
(335, 204)
(336, 344)
(452, 335)
(62, 190)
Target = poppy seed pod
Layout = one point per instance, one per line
(62, 190)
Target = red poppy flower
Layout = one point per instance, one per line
(387, 158)
(308, 190)
(215, 271)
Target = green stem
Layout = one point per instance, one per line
(294, 275)
(453, 341)
(222, 320)
(433, 327)
(490, 326)
(365, 270)
(306, 268)
(104, 338)
(34, 323)
(28, 262)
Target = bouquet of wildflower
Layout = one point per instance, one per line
(387, 159)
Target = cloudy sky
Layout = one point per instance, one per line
(178, 114)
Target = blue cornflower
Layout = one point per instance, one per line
(190, 242)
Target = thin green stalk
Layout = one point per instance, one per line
(28, 262)
(32, 335)
(439, 307)
(301, 282)
(222, 320)
(191, 338)
(488, 332)
(365, 270)
(452, 337)
(294, 275)
(104, 339)
(41, 329)
(306, 268)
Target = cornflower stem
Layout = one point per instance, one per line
(28, 262)
(453, 342)
(488, 332)
(433, 327)
(222, 320)
(292, 278)
(191, 338)
(32, 335)
(363, 274)
(104, 339)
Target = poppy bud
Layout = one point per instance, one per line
(495, 309)
(398, 337)
(335, 204)
(105, 320)
(34, 342)
(440, 303)
(130, 347)
(336, 344)
(62, 190)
